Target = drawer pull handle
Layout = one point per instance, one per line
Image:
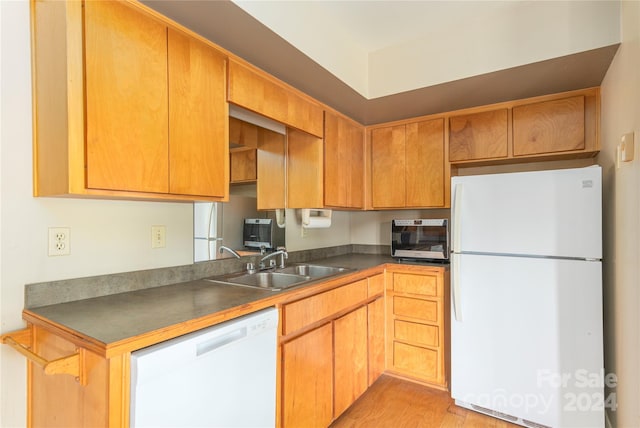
(21, 341)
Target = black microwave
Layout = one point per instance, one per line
(420, 239)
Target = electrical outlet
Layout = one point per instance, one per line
(158, 236)
(59, 241)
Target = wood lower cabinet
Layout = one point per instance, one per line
(407, 165)
(307, 379)
(350, 354)
(417, 308)
(126, 105)
(328, 342)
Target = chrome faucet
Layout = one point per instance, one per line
(281, 252)
(222, 248)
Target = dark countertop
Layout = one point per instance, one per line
(117, 317)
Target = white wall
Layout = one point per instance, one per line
(106, 236)
(337, 234)
(374, 227)
(620, 115)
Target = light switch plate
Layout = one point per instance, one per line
(627, 149)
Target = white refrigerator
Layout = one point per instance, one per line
(526, 296)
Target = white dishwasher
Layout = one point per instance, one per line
(221, 376)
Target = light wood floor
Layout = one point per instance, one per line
(391, 402)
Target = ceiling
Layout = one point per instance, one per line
(380, 60)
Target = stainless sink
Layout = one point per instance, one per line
(314, 271)
(280, 279)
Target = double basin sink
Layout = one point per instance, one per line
(279, 279)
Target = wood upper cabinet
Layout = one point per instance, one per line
(550, 126)
(417, 304)
(304, 170)
(478, 135)
(270, 186)
(126, 105)
(407, 165)
(558, 126)
(243, 157)
(127, 99)
(198, 115)
(343, 162)
(263, 94)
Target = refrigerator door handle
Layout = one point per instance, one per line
(455, 287)
(455, 215)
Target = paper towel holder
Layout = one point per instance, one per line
(315, 218)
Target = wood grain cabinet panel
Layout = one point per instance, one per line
(243, 166)
(343, 162)
(550, 126)
(478, 136)
(407, 165)
(423, 362)
(197, 118)
(350, 359)
(426, 310)
(270, 186)
(261, 93)
(304, 170)
(126, 99)
(377, 338)
(127, 105)
(313, 309)
(307, 386)
(417, 329)
(416, 284)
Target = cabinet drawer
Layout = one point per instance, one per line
(415, 308)
(307, 311)
(419, 361)
(427, 285)
(421, 334)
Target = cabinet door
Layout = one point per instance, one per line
(270, 186)
(425, 164)
(350, 353)
(343, 162)
(478, 136)
(198, 149)
(304, 170)
(548, 127)
(243, 166)
(126, 99)
(307, 379)
(388, 167)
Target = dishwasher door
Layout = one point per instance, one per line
(222, 376)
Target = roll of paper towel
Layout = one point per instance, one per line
(315, 219)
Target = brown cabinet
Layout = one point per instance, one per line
(416, 322)
(327, 352)
(304, 170)
(549, 127)
(558, 126)
(343, 162)
(270, 186)
(407, 165)
(307, 379)
(478, 136)
(134, 107)
(263, 94)
(243, 156)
